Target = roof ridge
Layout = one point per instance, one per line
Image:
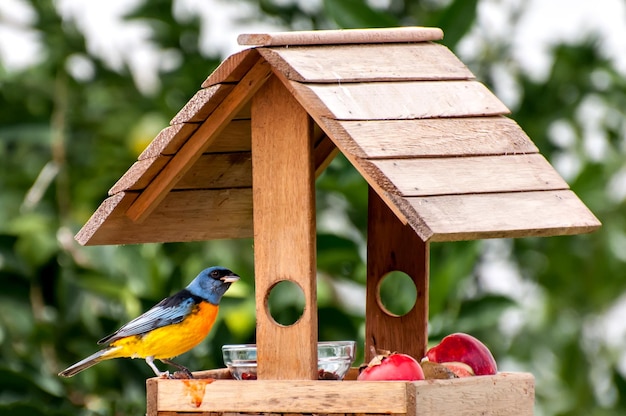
(342, 36)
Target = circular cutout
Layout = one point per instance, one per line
(396, 293)
(285, 302)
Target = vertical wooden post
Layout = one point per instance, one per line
(392, 246)
(284, 229)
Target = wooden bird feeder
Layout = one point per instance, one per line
(442, 161)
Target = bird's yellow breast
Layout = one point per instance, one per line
(171, 340)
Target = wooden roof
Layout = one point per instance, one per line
(430, 139)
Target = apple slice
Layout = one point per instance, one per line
(463, 348)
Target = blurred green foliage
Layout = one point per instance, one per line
(65, 139)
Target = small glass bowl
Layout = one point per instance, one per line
(334, 359)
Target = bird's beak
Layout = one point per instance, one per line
(230, 279)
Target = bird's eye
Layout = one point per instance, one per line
(215, 274)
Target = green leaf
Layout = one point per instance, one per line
(351, 14)
(455, 20)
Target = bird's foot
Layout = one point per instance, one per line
(182, 375)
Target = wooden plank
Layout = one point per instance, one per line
(394, 246)
(432, 137)
(502, 395)
(497, 395)
(280, 396)
(343, 36)
(197, 215)
(202, 104)
(211, 171)
(198, 142)
(399, 100)
(169, 140)
(152, 397)
(224, 170)
(360, 63)
(325, 151)
(284, 230)
(500, 215)
(234, 138)
(139, 175)
(467, 175)
(233, 68)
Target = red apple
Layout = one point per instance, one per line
(464, 348)
(394, 366)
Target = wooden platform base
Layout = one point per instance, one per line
(505, 394)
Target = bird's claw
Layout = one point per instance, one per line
(182, 375)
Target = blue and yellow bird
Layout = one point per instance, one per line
(172, 327)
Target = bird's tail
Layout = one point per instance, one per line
(93, 359)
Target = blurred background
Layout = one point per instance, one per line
(85, 86)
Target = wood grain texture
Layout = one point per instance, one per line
(468, 175)
(139, 175)
(182, 216)
(169, 140)
(202, 104)
(284, 230)
(233, 68)
(394, 246)
(502, 215)
(157, 190)
(325, 151)
(222, 170)
(345, 36)
(399, 100)
(497, 395)
(505, 394)
(432, 137)
(280, 396)
(362, 63)
(234, 138)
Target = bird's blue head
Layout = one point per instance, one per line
(212, 283)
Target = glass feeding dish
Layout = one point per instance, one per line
(334, 358)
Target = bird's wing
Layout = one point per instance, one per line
(171, 310)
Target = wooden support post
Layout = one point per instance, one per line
(283, 178)
(391, 246)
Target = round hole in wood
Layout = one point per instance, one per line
(397, 293)
(285, 302)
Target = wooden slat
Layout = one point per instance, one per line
(182, 216)
(506, 394)
(345, 36)
(360, 63)
(225, 170)
(399, 100)
(234, 138)
(325, 151)
(505, 215)
(233, 68)
(198, 142)
(211, 171)
(468, 175)
(284, 230)
(432, 137)
(139, 175)
(202, 104)
(169, 140)
(394, 246)
(276, 396)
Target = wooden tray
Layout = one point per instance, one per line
(504, 394)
